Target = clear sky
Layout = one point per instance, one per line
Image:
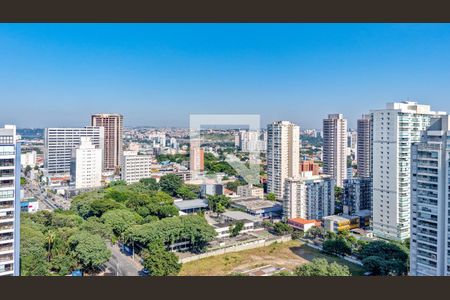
(157, 74)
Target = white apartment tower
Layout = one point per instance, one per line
(335, 147)
(364, 146)
(9, 201)
(430, 201)
(394, 129)
(309, 197)
(135, 167)
(86, 168)
(60, 142)
(283, 155)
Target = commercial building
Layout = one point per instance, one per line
(86, 165)
(309, 197)
(395, 129)
(357, 195)
(28, 159)
(283, 154)
(430, 201)
(250, 191)
(135, 167)
(258, 207)
(338, 223)
(364, 146)
(335, 147)
(113, 141)
(60, 142)
(9, 201)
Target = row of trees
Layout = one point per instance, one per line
(55, 243)
(378, 257)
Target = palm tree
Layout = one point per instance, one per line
(50, 238)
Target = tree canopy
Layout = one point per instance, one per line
(321, 267)
(160, 262)
(385, 258)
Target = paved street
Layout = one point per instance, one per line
(121, 264)
(48, 200)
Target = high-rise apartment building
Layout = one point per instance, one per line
(113, 141)
(283, 155)
(309, 197)
(335, 147)
(249, 141)
(430, 201)
(364, 147)
(60, 142)
(196, 159)
(395, 128)
(135, 167)
(86, 165)
(357, 195)
(9, 201)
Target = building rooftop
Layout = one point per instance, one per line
(255, 203)
(302, 221)
(239, 215)
(191, 204)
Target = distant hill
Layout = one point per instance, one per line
(31, 133)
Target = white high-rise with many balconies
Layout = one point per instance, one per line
(395, 128)
(9, 201)
(86, 167)
(283, 155)
(430, 201)
(335, 147)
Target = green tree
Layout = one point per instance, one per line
(321, 267)
(281, 228)
(94, 225)
(33, 257)
(160, 262)
(218, 203)
(170, 183)
(385, 258)
(271, 197)
(188, 192)
(89, 250)
(100, 206)
(339, 246)
(120, 220)
(27, 170)
(338, 197)
(50, 239)
(297, 234)
(23, 181)
(316, 232)
(150, 183)
(236, 228)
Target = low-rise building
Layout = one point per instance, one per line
(211, 190)
(224, 229)
(259, 207)
(303, 224)
(231, 216)
(338, 223)
(250, 191)
(191, 206)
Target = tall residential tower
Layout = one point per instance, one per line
(9, 201)
(335, 147)
(113, 142)
(283, 155)
(395, 128)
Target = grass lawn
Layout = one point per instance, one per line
(288, 255)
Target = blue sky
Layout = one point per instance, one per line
(157, 74)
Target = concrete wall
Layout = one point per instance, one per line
(236, 248)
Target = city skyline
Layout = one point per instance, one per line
(158, 74)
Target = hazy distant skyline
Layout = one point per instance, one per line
(57, 75)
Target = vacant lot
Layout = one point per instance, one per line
(287, 255)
